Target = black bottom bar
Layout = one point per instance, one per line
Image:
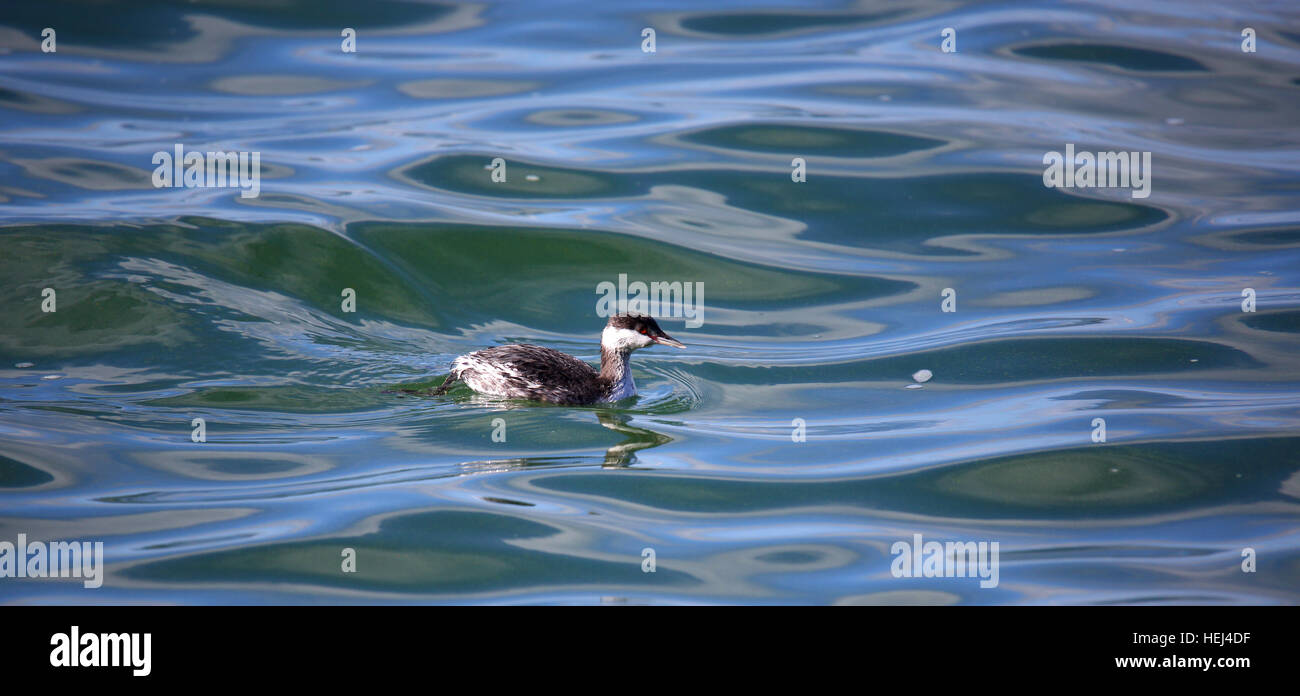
(238, 645)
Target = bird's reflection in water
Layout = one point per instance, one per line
(624, 453)
(620, 455)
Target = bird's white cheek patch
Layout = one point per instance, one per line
(623, 339)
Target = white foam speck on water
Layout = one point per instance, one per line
(922, 375)
(533, 177)
(912, 386)
(52, 376)
(24, 364)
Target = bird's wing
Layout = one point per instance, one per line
(537, 365)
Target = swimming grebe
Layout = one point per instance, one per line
(523, 371)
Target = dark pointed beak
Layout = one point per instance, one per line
(668, 340)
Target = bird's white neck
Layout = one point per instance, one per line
(616, 370)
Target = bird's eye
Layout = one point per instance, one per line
(643, 330)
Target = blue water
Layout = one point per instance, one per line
(924, 172)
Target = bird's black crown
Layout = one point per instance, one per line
(635, 322)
